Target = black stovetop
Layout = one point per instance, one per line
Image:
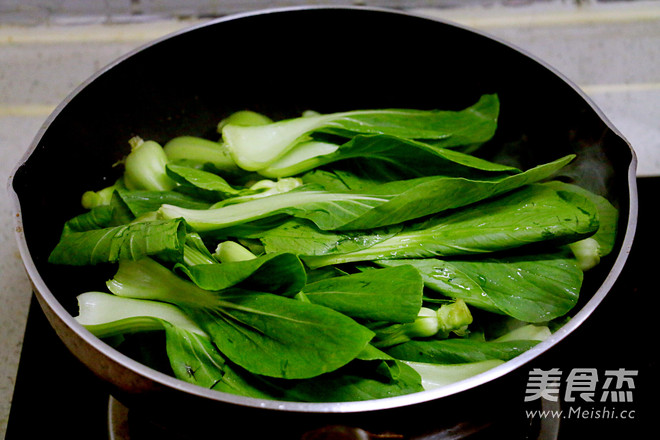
(56, 395)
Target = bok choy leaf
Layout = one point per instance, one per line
(131, 241)
(531, 288)
(192, 355)
(195, 359)
(326, 208)
(531, 215)
(413, 158)
(360, 380)
(264, 333)
(256, 147)
(384, 205)
(280, 273)
(392, 294)
(459, 350)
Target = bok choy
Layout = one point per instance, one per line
(355, 255)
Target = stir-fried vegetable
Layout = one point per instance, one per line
(335, 257)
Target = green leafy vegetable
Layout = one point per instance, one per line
(335, 257)
(264, 333)
(439, 375)
(108, 315)
(425, 160)
(230, 251)
(386, 204)
(256, 147)
(608, 216)
(281, 273)
(141, 202)
(532, 214)
(281, 337)
(131, 241)
(328, 209)
(532, 288)
(94, 199)
(244, 118)
(145, 167)
(450, 317)
(392, 294)
(459, 350)
(204, 182)
(198, 153)
(424, 325)
(195, 359)
(355, 382)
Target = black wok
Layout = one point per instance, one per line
(281, 62)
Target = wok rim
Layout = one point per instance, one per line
(47, 298)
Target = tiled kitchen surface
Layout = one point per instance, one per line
(610, 49)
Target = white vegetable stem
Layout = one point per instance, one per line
(230, 215)
(108, 315)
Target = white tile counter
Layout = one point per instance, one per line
(611, 50)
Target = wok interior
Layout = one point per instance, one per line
(282, 63)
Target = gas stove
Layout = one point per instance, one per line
(604, 384)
